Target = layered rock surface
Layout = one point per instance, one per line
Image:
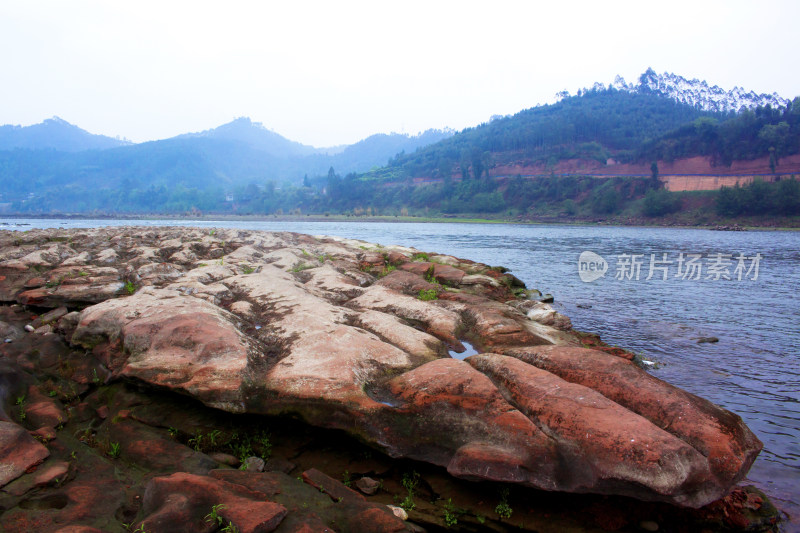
(359, 337)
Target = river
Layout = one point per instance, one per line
(754, 368)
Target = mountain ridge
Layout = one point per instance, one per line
(54, 133)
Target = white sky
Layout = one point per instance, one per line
(334, 72)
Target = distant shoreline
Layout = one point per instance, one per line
(748, 224)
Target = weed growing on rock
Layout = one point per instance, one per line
(427, 295)
(247, 269)
(409, 482)
(503, 509)
(300, 267)
(130, 288)
(422, 257)
(21, 404)
(388, 269)
(114, 450)
(450, 513)
(346, 479)
(214, 517)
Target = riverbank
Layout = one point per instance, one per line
(145, 284)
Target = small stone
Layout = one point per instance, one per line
(254, 464)
(707, 339)
(547, 299)
(399, 512)
(8, 340)
(29, 328)
(648, 525)
(367, 485)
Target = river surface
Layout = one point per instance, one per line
(754, 369)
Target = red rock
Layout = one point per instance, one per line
(53, 472)
(45, 434)
(42, 410)
(396, 258)
(602, 443)
(181, 502)
(718, 434)
(34, 283)
(377, 520)
(18, 452)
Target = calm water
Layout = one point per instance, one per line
(754, 369)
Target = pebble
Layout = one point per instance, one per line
(8, 340)
(648, 525)
(254, 464)
(367, 485)
(29, 328)
(399, 512)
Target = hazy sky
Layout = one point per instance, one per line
(334, 72)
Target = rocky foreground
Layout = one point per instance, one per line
(139, 365)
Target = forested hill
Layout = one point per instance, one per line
(662, 117)
(593, 125)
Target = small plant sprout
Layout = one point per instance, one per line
(114, 450)
(346, 479)
(230, 528)
(214, 517)
(130, 288)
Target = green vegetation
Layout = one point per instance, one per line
(450, 514)
(214, 517)
(301, 266)
(760, 198)
(130, 288)
(427, 295)
(410, 481)
(503, 509)
(114, 450)
(21, 405)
